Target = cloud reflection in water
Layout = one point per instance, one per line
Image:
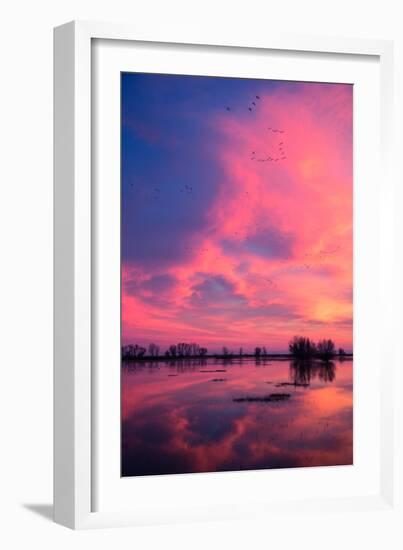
(189, 423)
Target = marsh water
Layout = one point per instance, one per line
(242, 414)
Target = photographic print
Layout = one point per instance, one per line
(236, 274)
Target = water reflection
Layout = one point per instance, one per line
(302, 372)
(199, 415)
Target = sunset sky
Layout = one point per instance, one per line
(222, 244)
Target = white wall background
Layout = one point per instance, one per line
(26, 266)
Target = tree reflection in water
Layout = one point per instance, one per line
(304, 371)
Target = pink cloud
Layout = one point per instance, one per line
(275, 255)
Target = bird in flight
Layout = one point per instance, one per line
(228, 109)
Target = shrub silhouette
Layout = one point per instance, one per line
(326, 349)
(302, 348)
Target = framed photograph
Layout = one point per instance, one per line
(223, 276)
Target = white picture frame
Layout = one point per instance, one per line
(76, 390)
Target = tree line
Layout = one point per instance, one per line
(182, 349)
(299, 347)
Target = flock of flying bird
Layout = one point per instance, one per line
(279, 155)
(273, 157)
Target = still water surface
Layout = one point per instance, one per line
(214, 415)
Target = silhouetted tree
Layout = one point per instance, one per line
(181, 349)
(264, 351)
(326, 349)
(341, 351)
(184, 349)
(131, 352)
(153, 350)
(194, 349)
(141, 351)
(258, 352)
(241, 351)
(172, 350)
(301, 347)
(225, 351)
(202, 352)
(126, 352)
